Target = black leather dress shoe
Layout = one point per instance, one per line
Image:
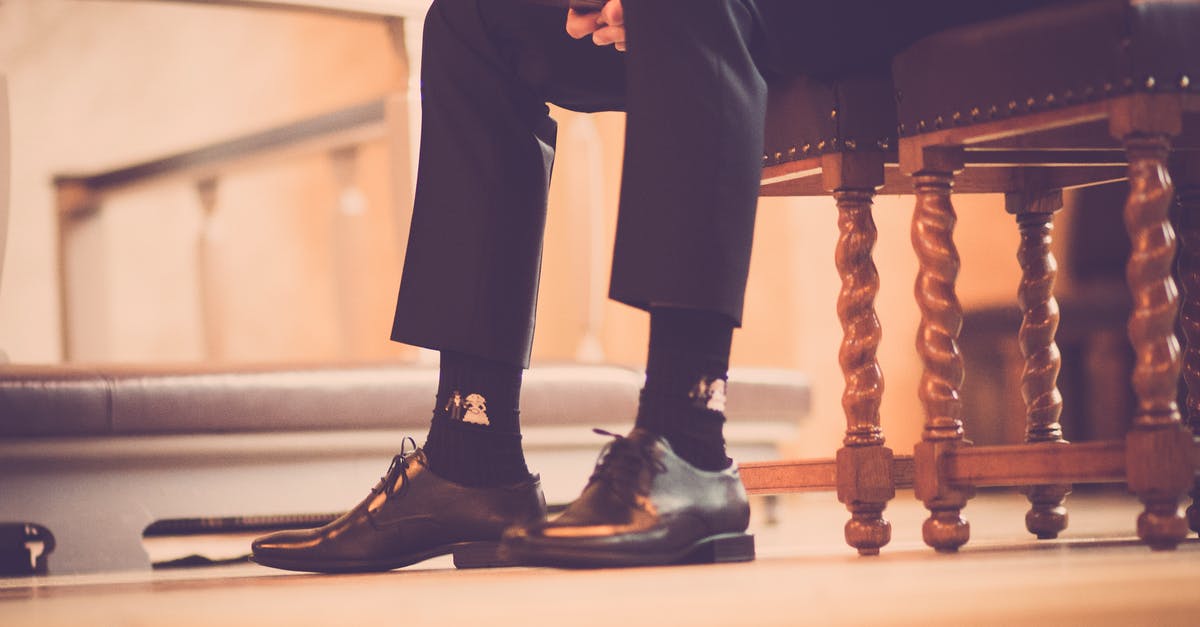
(642, 506)
(410, 516)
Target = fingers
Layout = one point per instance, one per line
(613, 13)
(580, 25)
(609, 35)
(606, 26)
(612, 21)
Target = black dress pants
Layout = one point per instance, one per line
(694, 85)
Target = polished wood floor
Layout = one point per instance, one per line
(804, 575)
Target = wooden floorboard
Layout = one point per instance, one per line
(1096, 575)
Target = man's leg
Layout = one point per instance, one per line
(696, 102)
(471, 271)
(696, 107)
(487, 146)
(469, 286)
(688, 204)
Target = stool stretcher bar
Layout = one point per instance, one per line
(972, 466)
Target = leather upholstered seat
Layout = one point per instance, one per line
(808, 118)
(1050, 59)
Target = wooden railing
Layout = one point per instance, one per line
(338, 134)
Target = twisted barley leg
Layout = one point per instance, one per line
(937, 343)
(1188, 197)
(1158, 468)
(1039, 381)
(864, 464)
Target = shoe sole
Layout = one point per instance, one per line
(466, 555)
(716, 549)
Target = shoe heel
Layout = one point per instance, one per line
(731, 547)
(480, 555)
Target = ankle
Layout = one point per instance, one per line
(694, 432)
(475, 436)
(684, 396)
(474, 455)
(479, 391)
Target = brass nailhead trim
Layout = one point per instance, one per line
(1088, 92)
(832, 144)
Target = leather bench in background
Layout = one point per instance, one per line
(96, 454)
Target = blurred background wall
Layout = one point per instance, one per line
(95, 85)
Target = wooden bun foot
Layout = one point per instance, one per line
(946, 530)
(1161, 526)
(1047, 517)
(867, 530)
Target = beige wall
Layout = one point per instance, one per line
(97, 84)
(4, 173)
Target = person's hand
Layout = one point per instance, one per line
(606, 26)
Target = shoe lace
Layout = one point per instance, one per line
(620, 464)
(397, 469)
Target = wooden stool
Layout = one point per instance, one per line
(835, 138)
(1048, 99)
(840, 137)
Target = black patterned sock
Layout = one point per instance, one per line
(475, 436)
(684, 396)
